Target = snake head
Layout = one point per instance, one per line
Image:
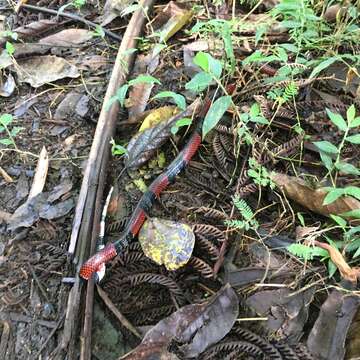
(96, 262)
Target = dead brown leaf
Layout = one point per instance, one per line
(68, 37)
(297, 190)
(40, 70)
(6, 176)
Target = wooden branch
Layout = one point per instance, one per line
(84, 213)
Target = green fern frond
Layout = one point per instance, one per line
(290, 91)
(307, 252)
(244, 208)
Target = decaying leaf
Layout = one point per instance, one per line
(143, 145)
(167, 242)
(197, 326)
(346, 271)
(7, 86)
(297, 190)
(68, 37)
(158, 115)
(40, 70)
(37, 27)
(327, 337)
(73, 103)
(286, 312)
(178, 19)
(138, 98)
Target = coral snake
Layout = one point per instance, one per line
(94, 263)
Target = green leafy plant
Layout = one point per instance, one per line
(248, 217)
(223, 29)
(117, 149)
(282, 96)
(122, 91)
(211, 72)
(99, 32)
(180, 123)
(329, 150)
(259, 174)
(10, 49)
(178, 99)
(5, 122)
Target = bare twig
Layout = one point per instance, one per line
(124, 321)
(70, 16)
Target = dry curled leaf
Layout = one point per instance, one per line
(195, 327)
(167, 242)
(347, 272)
(327, 337)
(297, 190)
(143, 145)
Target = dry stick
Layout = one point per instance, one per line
(124, 321)
(104, 129)
(69, 16)
(85, 344)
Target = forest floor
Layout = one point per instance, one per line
(253, 251)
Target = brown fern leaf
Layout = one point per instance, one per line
(211, 213)
(208, 246)
(151, 316)
(116, 226)
(282, 150)
(201, 266)
(209, 231)
(270, 351)
(224, 129)
(219, 151)
(242, 347)
(246, 190)
(154, 279)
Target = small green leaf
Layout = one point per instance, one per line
(199, 82)
(182, 122)
(121, 94)
(354, 139)
(337, 120)
(117, 149)
(15, 130)
(6, 141)
(323, 65)
(339, 220)
(215, 113)
(147, 79)
(10, 49)
(333, 195)
(209, 64)
(331, 268)
(254, 110)
(350, 114)
(6, 119)
(326, 146)
(178, 99)
(326, 160)
(355, 122)
(353, 191)
(201, 60)
(347, 168)
(352, 213)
